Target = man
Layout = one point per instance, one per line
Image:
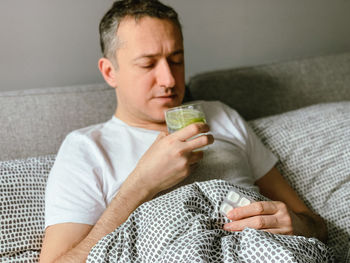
(104, 172)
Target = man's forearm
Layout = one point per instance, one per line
(310, 225)
(129, 197)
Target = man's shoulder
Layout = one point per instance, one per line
(216, 107)
(213, 104)
(91, 132)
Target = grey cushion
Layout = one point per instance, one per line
(22, 199)
(266, 90)
(314, 151)
(35, 122)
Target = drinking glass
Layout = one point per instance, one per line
(184, 115)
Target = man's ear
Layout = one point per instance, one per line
(108, 72)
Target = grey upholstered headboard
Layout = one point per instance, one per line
(271, 89)
(35, 122)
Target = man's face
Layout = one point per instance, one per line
(150, 74)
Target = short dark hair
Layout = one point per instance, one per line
(130, 8)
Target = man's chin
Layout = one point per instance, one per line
(160, 105)
(167, 102)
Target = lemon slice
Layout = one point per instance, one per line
(180, 118)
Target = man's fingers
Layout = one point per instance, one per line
(191, 130)
(254, 209)
(270, 216)
(257, 222)
(194, 136)
(200, 141)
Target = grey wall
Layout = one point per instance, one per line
(46, 43)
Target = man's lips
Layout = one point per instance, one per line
(166, 96)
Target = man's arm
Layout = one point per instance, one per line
(166, 163)
(60, 238)
(287, 214)
(305, 222)
(72, 242)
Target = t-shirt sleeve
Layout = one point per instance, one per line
(74, 188)
(261, 159)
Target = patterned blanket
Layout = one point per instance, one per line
(185, 225)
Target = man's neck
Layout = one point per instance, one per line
(149, 125)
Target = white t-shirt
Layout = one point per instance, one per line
(93, 162)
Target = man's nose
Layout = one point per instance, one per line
(165, 77)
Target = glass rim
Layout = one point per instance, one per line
(184, 106)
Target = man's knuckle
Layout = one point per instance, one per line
(194, 128)
(275, 221)
(260, 222)
(259, 207)
(282, 206)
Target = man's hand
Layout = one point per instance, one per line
(270, 216)
(287, 215)
(168, 161)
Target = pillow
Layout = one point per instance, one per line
(313, 146)
(22, 199)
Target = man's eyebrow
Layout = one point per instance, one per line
(176, 52)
